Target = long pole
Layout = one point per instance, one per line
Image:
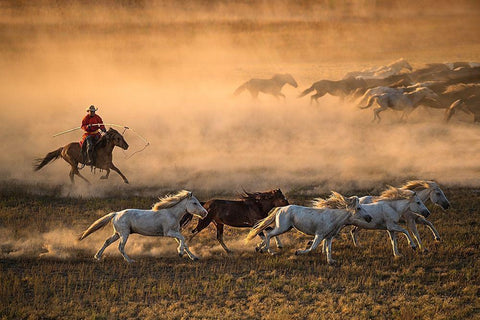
(96, 124)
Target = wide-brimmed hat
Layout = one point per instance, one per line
(92, 108)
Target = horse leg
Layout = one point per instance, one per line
(397, 228)
(393, 240)
(220, 237)
(316, 241)
(329, 250)
(80, 175)
(316, 97)
(261, 244)
(121, 247)
(107, 173)
(413, 227)
(376, 112)
(354, 234)
(278, 242)
(112, 166)
(182, 245)
(278, 230)
(424, 221)
(72, 174)
(202, 224)
(108, 242)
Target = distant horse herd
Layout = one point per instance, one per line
(397, 86)
(269, 214)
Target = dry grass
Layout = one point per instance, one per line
(366, 283)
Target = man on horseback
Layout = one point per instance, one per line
(92, 124)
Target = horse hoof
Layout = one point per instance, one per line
(332, 262)
(195, 258)
(180, 254)
(126, 181)
(297, 253)
(437, 239)
(414, 248)
(103, 177)
(280, 247)
(97, 257)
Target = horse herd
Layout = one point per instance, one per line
(397, 86)
(269, 214)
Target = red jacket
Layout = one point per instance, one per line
(92, 130)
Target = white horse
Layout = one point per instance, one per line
(386, 211)
(382, 72)
(162, 220)
(323, 223)
(426, 190)
(402, 101)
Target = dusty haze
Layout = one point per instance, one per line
(169, 72)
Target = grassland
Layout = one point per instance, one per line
(366, 283)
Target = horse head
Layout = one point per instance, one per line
(114, 136)
(354, 206)
(286, 78)
(269, 199)
(416, 205)
(194, 207)
(437, 196)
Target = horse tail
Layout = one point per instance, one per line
(307, 91)
(451, 110)
(240, 89)
(97, 225)
(51, 156)
(370, 102)
(263, 224)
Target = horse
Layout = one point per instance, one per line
(405, 102)
(382, 72)
(72, 154)
(425, 190)
(323, 223)
(162, 220)
(464, 97)
(271, 86)
(352, 86)
(386, 211)
(242, 213)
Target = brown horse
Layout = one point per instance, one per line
(242, 213)
(72, 153)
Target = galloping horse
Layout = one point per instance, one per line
(405, 102)
(72, 153)
(382, 72)
(271, 86)
(323, 223)
(162, 220)
(243, 213)
(425, 190)
(386, 211)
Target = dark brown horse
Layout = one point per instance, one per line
(72, 153)
(242, 213)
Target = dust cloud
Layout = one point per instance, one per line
(169, 71)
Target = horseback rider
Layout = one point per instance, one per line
(93, 126)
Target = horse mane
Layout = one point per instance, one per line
(102, 142)
(417, 185)
(392, 194)
(335, 201)
(169, 201)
